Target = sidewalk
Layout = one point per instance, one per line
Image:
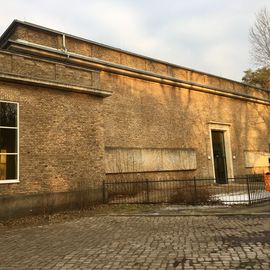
(204, 210)
(140, 243)
(150, 210)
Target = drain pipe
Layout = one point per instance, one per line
(64, 42)
(64, 48)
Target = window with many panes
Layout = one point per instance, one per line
(8, 142)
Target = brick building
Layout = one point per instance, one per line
(74, 112)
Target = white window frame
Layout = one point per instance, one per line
(10, 181)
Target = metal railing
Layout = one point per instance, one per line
(239, 190)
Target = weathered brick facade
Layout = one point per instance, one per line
(159, 113)
(150, 115)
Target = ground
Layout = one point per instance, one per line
(161, 239)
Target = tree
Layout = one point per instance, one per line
(259, 36)
(259, 77)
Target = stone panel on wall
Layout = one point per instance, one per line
(256, 159)
(123, 160)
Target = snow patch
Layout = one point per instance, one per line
(241, 198)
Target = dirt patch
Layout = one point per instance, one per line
(64, 216)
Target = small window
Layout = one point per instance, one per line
(8, 142)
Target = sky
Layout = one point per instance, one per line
(205, 35)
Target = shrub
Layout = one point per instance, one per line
(190, 195)
(126, 189)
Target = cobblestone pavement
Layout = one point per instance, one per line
(140, 242)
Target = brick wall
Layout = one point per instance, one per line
(99, 51)
(33, 68)
(146, 114)
(150, 115)
(61, 139)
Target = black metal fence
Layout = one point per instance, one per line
(239, 190)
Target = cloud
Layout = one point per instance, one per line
(206, 35)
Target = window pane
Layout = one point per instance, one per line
(8, 167)
(8, 114)
(8, 140)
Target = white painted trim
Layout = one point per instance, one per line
(219, 123)
(18, 142)
(10, 181)
(8, 101)
(227, 144)
(5, 127)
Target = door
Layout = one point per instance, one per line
(219, 156)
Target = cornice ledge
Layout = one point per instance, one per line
(55, 85)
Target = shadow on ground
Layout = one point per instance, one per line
(136, 210)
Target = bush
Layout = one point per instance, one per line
(190, 195)
(126, 189)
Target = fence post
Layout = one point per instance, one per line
(104, 192)
(195, 190)
(248, 190)
(147, 191)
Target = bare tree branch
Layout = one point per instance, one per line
(259, 36)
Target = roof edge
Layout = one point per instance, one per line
(4, 37)
(13, 25)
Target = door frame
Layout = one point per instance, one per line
(225, 128)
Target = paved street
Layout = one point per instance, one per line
(140, 242)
